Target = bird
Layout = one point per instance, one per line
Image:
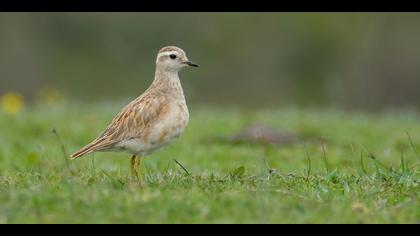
(151, 121)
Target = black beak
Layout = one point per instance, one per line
(191, 64)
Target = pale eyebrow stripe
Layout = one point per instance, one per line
(167, 53)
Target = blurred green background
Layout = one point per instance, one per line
(349, 60)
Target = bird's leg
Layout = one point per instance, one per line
(135, 165)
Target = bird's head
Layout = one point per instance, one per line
(172, 58)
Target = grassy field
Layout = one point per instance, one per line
(369, 172)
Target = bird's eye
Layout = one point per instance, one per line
(172, 56)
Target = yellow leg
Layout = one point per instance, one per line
(135, 166)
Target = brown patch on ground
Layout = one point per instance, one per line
(261, 134)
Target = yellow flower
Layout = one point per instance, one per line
(50, 96)
(12, 103)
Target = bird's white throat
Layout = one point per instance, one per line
(169, 83)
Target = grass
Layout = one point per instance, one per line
(366, 170)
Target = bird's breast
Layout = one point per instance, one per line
(174, 122)
(167, 127)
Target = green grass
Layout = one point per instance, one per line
(368, 174)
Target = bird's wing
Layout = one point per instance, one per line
(131, 122)
(134, 119)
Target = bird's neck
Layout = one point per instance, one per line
(166, 74)
(168, 83)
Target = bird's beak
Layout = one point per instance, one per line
(190, 63)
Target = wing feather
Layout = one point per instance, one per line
(132, 122)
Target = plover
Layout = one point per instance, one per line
(152, 120)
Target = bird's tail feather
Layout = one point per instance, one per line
(92, 147)
(82, 152)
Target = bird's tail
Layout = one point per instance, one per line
(85, 150)
(97, 145)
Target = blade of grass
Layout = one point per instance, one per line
(308, 172)
(93, 165)
(403, 164)
(362, 164)
(182, 167)
(325, 158)
(63, 148)
(378, 163)
(412, 146)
